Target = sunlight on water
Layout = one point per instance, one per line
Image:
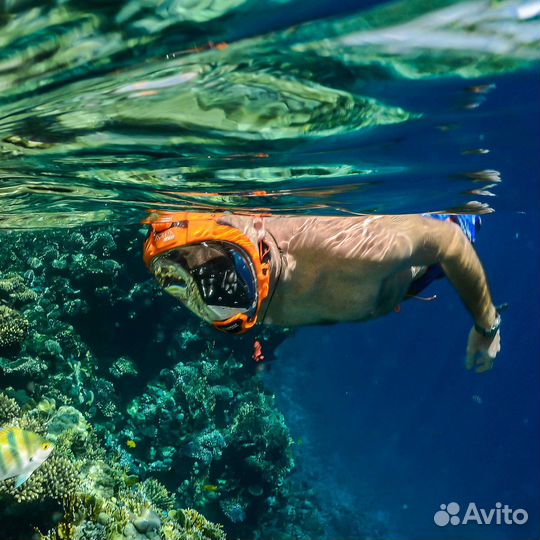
(107, 112)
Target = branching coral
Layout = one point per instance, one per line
(56, 479)
(123, 366)
(9, 409)
(260, 432)
(67, 422)
(13, 289)
(157, 494)
(190, 525)
(128, 516)
(23, 366)
(234, 510)
(13, 329)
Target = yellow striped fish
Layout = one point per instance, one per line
(21, 453)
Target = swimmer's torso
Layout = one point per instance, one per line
(331, 272)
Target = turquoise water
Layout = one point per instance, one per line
(109, 112)
(289, 107)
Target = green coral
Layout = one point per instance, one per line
(198, 526)
(14, 291)
(23, 366)
(129, 517)
(123, 366)
(9, 409)
(157, 494)
(13, 329)
(262, 430)
(66, 421)
(56, 479)
(114, 519)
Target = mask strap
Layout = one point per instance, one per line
(264, 250)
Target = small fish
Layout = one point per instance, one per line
(210, 488)
(131, 480)
(475, 151)
(21, 453)
(477, 399)
(480, 88)
(131, 443)
(487, 175)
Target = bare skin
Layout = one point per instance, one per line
(334, 269)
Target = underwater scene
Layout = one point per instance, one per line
(269, 269)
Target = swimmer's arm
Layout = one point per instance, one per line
(431, 241)
(404, 242)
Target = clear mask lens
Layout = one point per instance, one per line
(216, 280)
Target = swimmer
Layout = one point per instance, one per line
(236, 271)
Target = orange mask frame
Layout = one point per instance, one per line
(170, 230)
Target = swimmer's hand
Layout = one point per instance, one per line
(481, 351)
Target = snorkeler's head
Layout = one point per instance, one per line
(212, 268)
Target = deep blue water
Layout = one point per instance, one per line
(386, 411)
(389, 414)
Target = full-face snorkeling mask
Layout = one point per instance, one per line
(214, 269)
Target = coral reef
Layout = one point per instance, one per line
(9, 409)
(227, 450)
(57, 479)
(157, 494)
(123, 366)
(151, 412)
(13, 290)
(92, 493)
(13, 329)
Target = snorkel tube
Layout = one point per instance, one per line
(170, 230)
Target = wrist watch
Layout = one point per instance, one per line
(491, 332)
